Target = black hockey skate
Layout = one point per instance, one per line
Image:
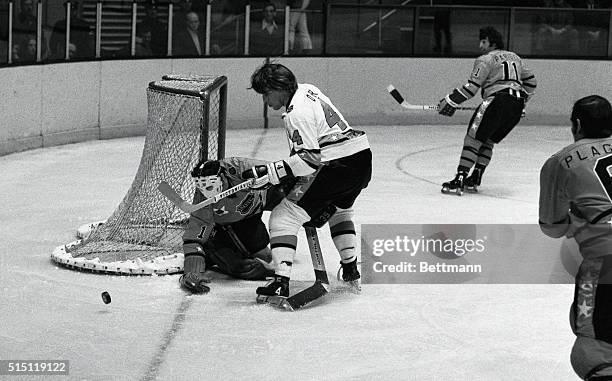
(276, 292)
(454, 186)
(472, 183)
(350, 274)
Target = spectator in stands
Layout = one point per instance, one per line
(299, 37)
(27, 49)
(71, 51)
(81, 35)
(189, 41)
(16, 51)
(144, 36)
(226, 35)
(442, 25)
(157, 29)
(25, 18)
(267, 39)
(556, 33)
(3, 38)
(24, 26)
(593, 27)
(593, 4)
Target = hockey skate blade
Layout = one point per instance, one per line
(275, 301)
(354, 286)
(448, 191)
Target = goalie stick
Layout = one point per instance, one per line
(398, 97)
(312, 293)
(188, 207)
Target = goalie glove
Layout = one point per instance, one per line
(193, 279)
(276, 171)
(447, 107)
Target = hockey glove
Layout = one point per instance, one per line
(276, 171)
(193, 279)
(447, 107)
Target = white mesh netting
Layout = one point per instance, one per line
(186, 121)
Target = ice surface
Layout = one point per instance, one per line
(152, 330)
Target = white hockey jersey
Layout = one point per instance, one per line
(317, 132)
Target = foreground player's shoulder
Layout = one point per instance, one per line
(485, 59)
(304, 103)
(578, 153)
(559, 155)
(482, 66)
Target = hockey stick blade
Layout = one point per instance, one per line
(174, 197)
(400, 99)
(307, 295)
(274, 301)
(297, 301)
(188, 207)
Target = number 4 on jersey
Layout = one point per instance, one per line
(331, 117)
(296, 138)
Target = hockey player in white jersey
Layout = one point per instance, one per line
(506, 85)
(331, 161)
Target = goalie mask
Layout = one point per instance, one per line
(208, 178)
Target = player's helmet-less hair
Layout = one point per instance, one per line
(595, 115)
(495, 38)
(273, 76)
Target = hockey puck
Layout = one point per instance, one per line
(106, 297)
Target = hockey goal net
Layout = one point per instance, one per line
(185, 123)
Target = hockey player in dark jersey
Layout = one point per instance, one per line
(228, 236)
(506, 84)
(575, 201)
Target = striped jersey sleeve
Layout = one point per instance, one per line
(479, 74)
(528, 80)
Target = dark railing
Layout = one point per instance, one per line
(47, 31)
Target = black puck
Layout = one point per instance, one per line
(106, 297)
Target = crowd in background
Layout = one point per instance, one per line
(552, 30)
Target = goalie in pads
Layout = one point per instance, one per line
(228, 236)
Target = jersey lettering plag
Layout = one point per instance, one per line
(579, 177)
